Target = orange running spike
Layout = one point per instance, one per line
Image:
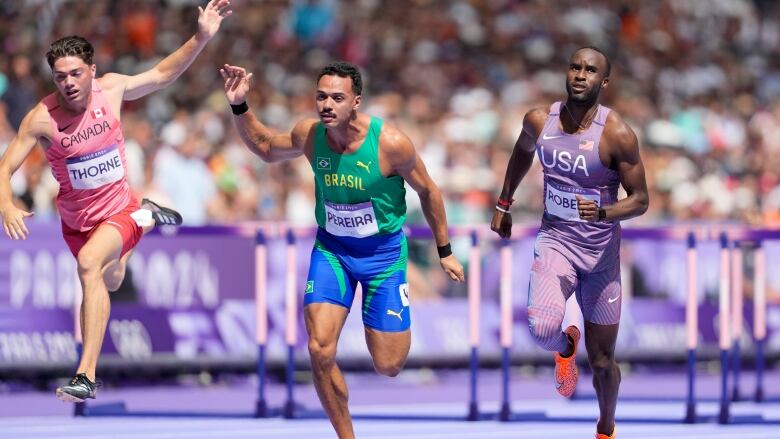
(566, 368)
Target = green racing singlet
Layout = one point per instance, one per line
(353, 198)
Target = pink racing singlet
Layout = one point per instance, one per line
(87, 157)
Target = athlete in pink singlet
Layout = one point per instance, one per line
(78, 127)
(587, 151)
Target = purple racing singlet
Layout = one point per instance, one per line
(572, 255)
(572, 166)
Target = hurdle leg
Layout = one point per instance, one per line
(725, 333)
(291, 301)
(506, 326)
(736, 317)
(735, 366)
(759, 318)
(261, 407)
(474, 294)
(692, 324)
(261, 319)
(759, 396)
(289, 406)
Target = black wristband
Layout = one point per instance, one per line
(602, 214)
(240, 108)
(444, 250)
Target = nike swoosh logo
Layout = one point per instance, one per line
(612, 300)
(546, 137)
(65, 127)
(558, 385)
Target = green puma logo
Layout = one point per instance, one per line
(363, 165)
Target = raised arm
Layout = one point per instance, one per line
(259, 138)
(172, 66)
(519, 164)
(18, 150)
(406, 162)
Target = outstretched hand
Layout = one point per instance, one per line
(452, 267)
(13, 222)
(236, 83)
(211, 16)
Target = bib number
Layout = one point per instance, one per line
(561, 201)
(96, 169)
(355, 220)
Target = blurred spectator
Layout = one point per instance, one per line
(181, 172)
(21, 92)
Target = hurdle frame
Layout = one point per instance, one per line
(757, 237)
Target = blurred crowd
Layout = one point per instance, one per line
(698, 80)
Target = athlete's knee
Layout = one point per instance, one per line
(389, 367)
(603, 365)
(546, 332)
(322, 353)
(89, 264)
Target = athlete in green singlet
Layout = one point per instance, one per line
(360, 165)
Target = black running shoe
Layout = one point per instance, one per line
(162, 216)
(77, 390)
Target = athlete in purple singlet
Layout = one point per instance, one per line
(586, 151)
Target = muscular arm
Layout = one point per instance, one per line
(523, 153)
(518, 166)
(632, 174)
(406, 162)
(269, 146)
(172, 66)
(20, 147)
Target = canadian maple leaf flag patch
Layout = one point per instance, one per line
(97, 113)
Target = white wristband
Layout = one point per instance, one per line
(501, 209)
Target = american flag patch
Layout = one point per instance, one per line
(587, 145)
(97, 113)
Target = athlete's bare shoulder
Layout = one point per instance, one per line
(110, 81)
(36, 123)
(113, 86)
(394, 142)
(304, 130)
(534, 121)
(618, 132)
(392, 138)
(619, 138)
(302, 135)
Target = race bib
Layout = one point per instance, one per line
(403, 291)
(561, 201)
(355, 220)
(95, 169)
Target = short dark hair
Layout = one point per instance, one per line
(344, 70)
(606, 58)
(73, 45)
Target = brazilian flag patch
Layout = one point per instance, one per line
(309, 287)
(323, 163)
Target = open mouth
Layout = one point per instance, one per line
(71, 94)
(327, 117)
